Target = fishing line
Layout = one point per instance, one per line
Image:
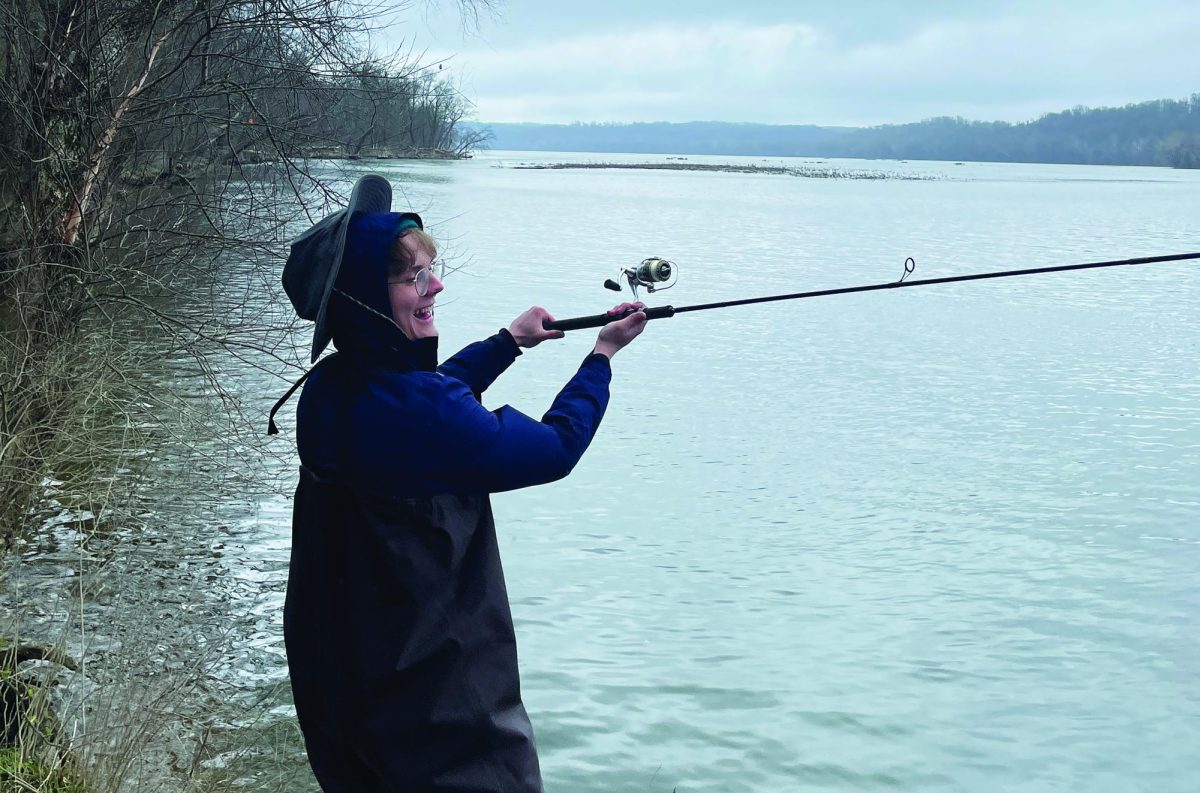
(661, 312)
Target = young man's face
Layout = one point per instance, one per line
(412, 312)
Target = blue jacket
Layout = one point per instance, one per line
(398, 631)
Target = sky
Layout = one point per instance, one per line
(829, 63)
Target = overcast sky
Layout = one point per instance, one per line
(833, 63)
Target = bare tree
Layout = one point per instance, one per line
(153, 142)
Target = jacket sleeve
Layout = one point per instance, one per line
(478, 365)
(467, 449)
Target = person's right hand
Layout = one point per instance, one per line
(615, 335)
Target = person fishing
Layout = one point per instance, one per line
(397, 626)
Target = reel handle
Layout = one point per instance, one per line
(600, 320)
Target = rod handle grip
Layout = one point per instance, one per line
(600, 320)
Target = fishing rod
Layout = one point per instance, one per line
(656, 273)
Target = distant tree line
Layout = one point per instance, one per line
(1160, 132)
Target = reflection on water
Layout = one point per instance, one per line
(937, 540)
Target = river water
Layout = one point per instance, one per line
(936, 539)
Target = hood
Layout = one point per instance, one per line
(360, 314)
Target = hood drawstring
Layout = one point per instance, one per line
(271, 428)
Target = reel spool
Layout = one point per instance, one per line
(654, 273)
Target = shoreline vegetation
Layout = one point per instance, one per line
(119, 176)
(803, 171)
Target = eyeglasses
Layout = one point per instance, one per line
(423, 278)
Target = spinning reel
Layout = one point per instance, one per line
(654, 273)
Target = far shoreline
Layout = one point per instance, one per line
(802, 171)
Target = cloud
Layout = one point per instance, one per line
(1010, 67)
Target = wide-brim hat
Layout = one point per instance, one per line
(316, 256)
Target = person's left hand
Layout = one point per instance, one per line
(528, 331)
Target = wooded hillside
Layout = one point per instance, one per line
(1160, 132)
